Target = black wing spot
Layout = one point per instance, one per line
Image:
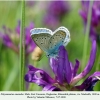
(52, 38)
(48, 55)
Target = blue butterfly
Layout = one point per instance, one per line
(50, 41)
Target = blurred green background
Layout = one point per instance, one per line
(10, 13)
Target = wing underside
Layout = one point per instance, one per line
(41, 40)
(57, 39)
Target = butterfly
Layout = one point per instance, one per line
(50, 41)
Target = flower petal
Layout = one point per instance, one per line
(57, 69)
(61, 66)
(89, 64)
(7, 40)
(54, 65)
(50, 88)
(83, 15)
(90, 82)
(67, 69)
(38, 76)
(76, 68)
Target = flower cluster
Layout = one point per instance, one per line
(95, 18)
(55, 12)
(66, 76)
(11, 40)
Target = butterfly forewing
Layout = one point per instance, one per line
(41, 40)
(57, 39)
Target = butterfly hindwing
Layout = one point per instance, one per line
(67, 38)
(57, 39)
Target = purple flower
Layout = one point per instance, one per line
(51, 21)
(56, 10)
(11, 40)
(30, 3)
(66, 77)
(90, 82)
(95, 18)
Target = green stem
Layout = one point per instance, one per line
(22, 47)
(87, 34)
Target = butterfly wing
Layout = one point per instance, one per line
(67, 38)
(58, 39)
(41, 37)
